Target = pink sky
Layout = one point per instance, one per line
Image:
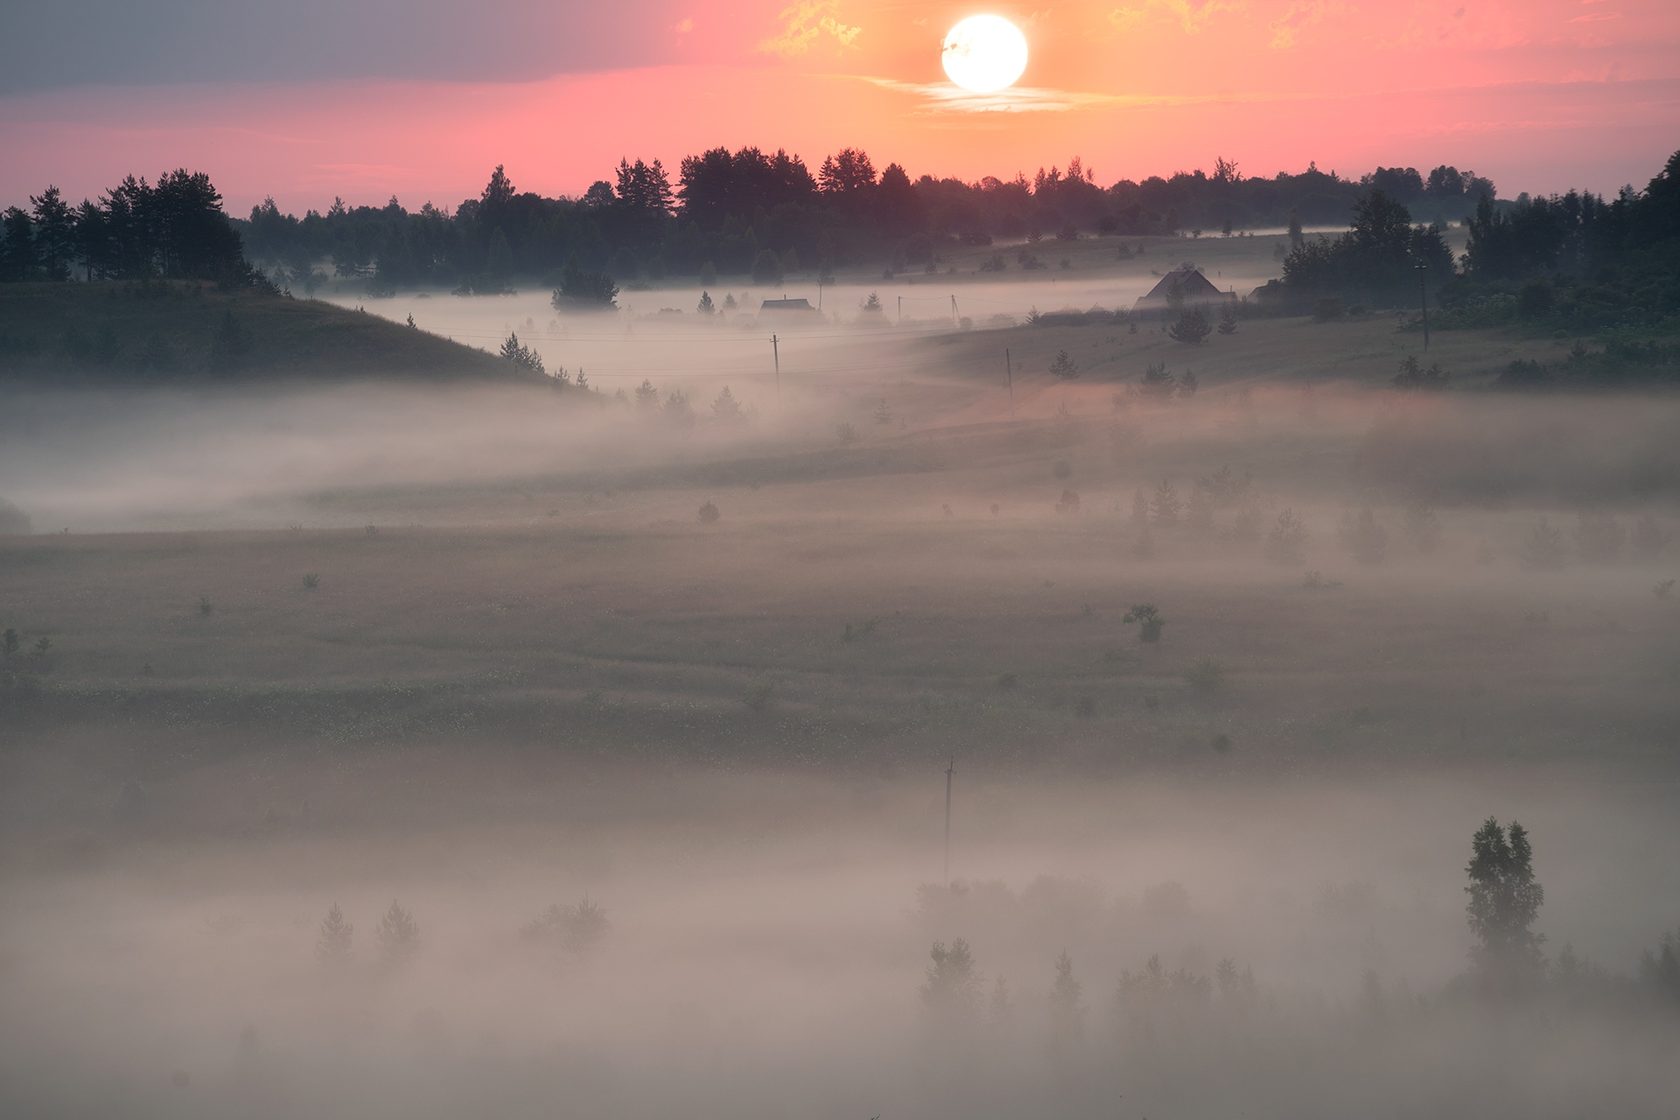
(1539, 95)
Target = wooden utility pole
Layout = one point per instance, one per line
(949, 771)
(1423, 303)
(776, 355)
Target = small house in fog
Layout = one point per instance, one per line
(785, 306)
(1184, 286)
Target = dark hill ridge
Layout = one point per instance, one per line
(181, 332)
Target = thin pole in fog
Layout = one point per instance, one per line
(776, 355)
(1423, 302)
(1009, 377)
(949, 771)
(955, 317)
(901, 309)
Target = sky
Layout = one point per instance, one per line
(305, 100)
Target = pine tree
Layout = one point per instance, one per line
(334, 946)
(726, 408)
(952, 990)
(1505, 899)
(398, 935)
(647, 397)
(706, 307)
(55, 233)
(1192, 327)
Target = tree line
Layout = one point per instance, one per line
(174, 229)
(766, 214)
(1574, 261)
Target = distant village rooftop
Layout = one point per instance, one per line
(1184, 286)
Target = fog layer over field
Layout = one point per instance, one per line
(641, 714)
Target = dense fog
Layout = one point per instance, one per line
(662, 791)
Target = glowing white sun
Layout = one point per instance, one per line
(984, 54)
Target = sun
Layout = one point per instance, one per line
(984, 54)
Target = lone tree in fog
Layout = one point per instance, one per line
(1505, 899)
(398, 935)
(584, 290)
(334, 946)
(727, 408)
(577, 928)
(1192, 327)
(522, 355)
(952, 990)
(1149, 620)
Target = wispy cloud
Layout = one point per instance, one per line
(943, 97)
(1286, 28)
(804, 23)
(1192, 15)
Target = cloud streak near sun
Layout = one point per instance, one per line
(807, 22)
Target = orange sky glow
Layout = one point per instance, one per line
(1540, 95)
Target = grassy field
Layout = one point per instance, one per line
(478, 652)
(164, 332)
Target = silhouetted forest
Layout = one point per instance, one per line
(1571, 262)
(767, 215)
(175, 230)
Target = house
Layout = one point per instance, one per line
(785, 306)
(1183, 287)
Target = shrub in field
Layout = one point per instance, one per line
(1287, 542)
(1158, 381)
(1149, 620)
(709, 514)
(1543, 550)
(1192, 327)
(311, 581)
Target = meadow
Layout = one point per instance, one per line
(494, 648)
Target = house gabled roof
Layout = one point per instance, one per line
(1192, 286)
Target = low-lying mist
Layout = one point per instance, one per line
(617, 727)
(1277, 949)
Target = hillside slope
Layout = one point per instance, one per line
(115, 332)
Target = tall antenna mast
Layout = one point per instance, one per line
(949, 771)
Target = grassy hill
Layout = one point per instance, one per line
(184, 331)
